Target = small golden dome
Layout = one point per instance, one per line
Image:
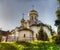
(22, 20)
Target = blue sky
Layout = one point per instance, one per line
(11, 12)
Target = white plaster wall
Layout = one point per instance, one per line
(28, 35)
(3, 38)
(10, 38)
(47, 31)
(16, 35)
(35, 29)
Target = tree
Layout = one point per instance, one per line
(42, 35)
(46, 37)
(59, 1)
(56, 39)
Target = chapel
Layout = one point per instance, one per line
(28, 30)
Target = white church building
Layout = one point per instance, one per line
(28, 30)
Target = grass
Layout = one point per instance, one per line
(34, 45)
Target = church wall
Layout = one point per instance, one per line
(47, 31)
(25, 35)
(3, 38)
(11, 38)
(16, 35)
(35, 29)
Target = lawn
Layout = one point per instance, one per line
(34, 45)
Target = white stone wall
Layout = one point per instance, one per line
(28, 35)
(47, 31)
(19, 35)
(3, 39)
(16, 35)
(11, 38)
(35, 29)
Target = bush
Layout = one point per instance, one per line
(56, 39)
(42, 35)
(23, 43)
(7, 46)
(35, 45)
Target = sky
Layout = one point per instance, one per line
(11, 12)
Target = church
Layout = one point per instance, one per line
(28, 30)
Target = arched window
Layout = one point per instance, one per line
(24, 35)
(32, 18)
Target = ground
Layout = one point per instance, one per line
(34, 45)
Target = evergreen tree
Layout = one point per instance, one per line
(42, 35)
(45, 37)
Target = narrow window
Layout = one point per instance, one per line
(24, 35)
(36, 35)
(32, 17)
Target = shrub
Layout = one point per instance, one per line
(56, 39)
(42, 35)
(35, 45)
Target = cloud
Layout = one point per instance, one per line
(11, 11)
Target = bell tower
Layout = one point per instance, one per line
(33, 15)
(57, 22)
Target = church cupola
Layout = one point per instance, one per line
(22, 20)
(33, 14)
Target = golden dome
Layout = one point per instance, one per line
(22, 20)
(33, 12)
